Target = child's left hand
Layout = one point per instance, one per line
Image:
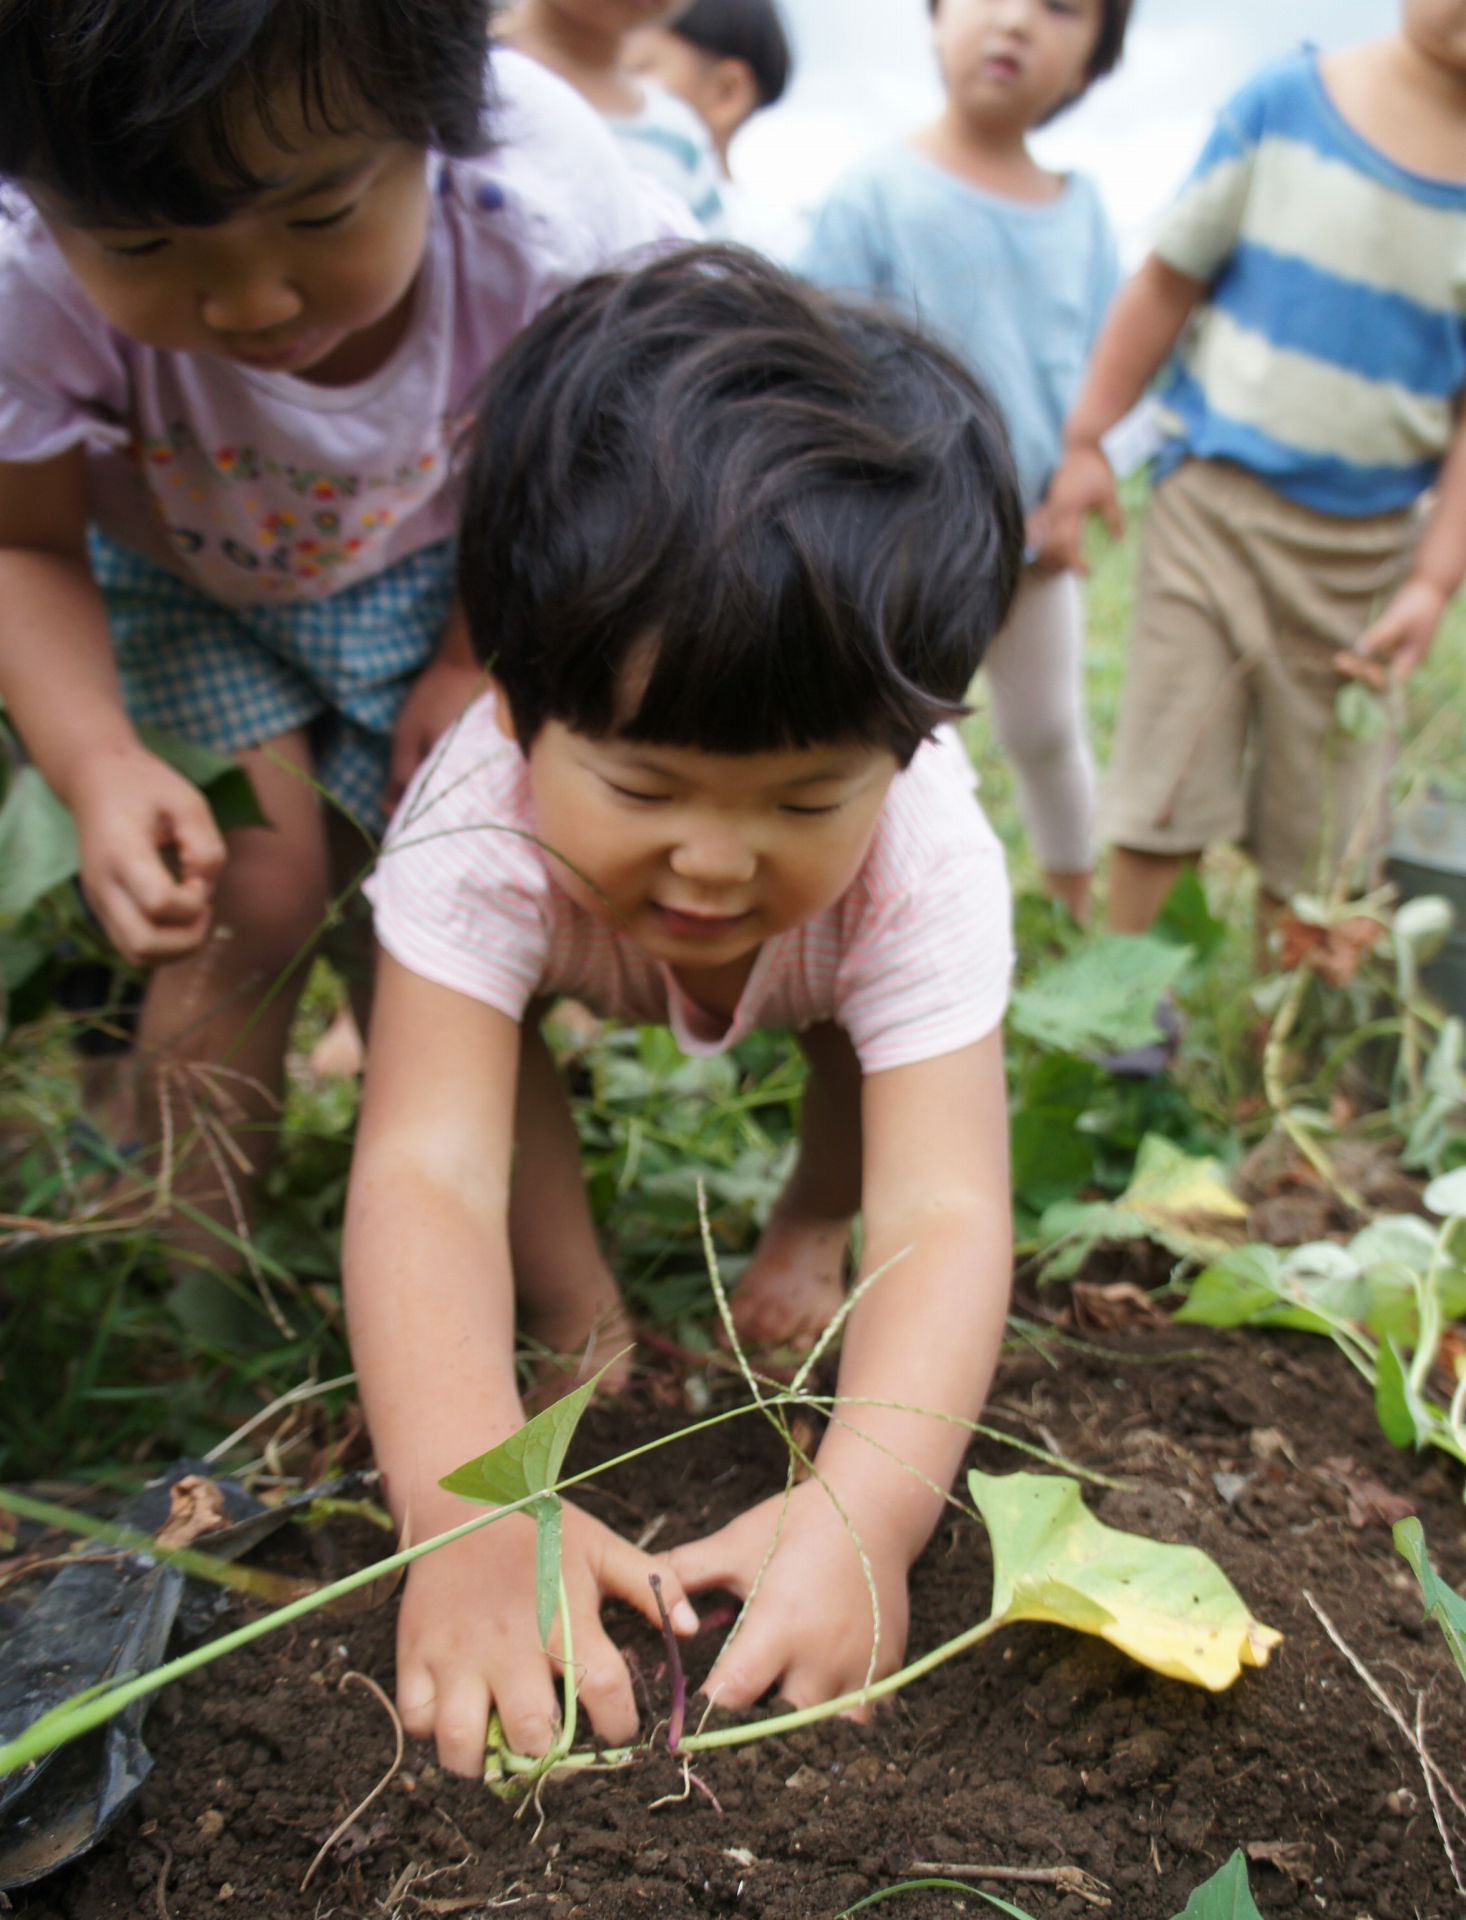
(1399, 640)
(444, 691)
(808, 1632)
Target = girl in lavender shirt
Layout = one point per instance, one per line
(255, 260)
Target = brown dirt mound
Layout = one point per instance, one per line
(1038, 1750)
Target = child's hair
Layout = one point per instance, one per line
(129, 110)
(709, 507)
(746, 30)
(1114, 24)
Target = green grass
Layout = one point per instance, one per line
(107, 1361)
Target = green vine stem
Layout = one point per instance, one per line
(781, 1723)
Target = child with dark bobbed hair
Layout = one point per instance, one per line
(731, 555)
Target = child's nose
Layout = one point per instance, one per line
(714, 857)
(246, 303)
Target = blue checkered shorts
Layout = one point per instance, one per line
(232, 677)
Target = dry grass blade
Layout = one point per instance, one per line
(363, 1680)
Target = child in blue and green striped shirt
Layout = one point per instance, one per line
(1314, 273)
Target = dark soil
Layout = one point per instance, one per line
(1039, 1750)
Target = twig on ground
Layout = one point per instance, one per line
(386, 1780)
(1073, 1880)
(1435, 1805)
(1427, 1766)
(160, 1892)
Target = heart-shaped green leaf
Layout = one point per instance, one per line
(1226, 1896)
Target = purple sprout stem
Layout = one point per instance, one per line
(678, 1716)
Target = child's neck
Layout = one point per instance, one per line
(993, 157)
(1409, 105)
(588, 57)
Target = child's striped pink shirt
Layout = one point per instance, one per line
(912, 961)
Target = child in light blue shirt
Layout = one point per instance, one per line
(1014, 267)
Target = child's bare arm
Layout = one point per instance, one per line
(60, 687)
(1401, 638)
(1143, 326)
(430, 1302)
(447, 685)
(926, 1336)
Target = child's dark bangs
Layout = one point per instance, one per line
(776, 654)
(135, 115)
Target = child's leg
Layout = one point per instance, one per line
(796, 1279)
(1138, 884)
(213, 1028)
(1035, 669)
(568, 1300)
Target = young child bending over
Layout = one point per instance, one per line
(732, 556)
(1015, 267)
(255, 267)
(1318, 257)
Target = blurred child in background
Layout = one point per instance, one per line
(1319, 255)
(256, 264)
(585, 42)
(728, 59)
(732, 555)
(1014, 266)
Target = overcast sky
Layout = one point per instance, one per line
(865, 74)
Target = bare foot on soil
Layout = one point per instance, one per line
(794, 1284)
(573, 1341)
(340, 1053)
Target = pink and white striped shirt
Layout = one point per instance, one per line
(912, 961)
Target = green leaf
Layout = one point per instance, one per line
(1051, 1159)
(529, 1462)
(1442, 1603)
(1177, 1199)
(1235, 1291)
(223, 783)
(1101, 999)
(1403, 1417)
(1169, 1607)
(1186, 919)
(1226, 1896)
(1358, 714)
(1446, 1196)
(38, 849)
(37, 844)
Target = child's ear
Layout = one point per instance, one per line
(732, 96)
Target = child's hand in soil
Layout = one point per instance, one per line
(150, 855)
(1399, 640)
(467, 1639)
(808, 1632)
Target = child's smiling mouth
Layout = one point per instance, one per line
(699, 926)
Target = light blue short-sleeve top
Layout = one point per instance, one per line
(1018, 290)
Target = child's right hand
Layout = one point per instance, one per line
(150, 854)
(1084, 484)
(467, 1639)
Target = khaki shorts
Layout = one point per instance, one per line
(1227, 728)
